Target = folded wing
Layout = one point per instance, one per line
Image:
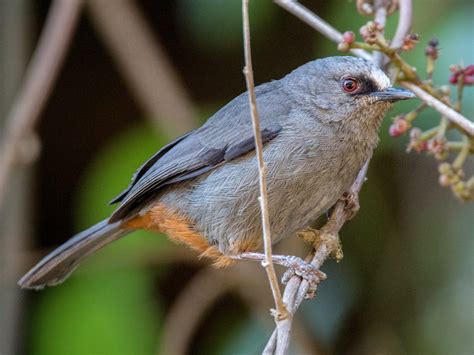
(225, 136)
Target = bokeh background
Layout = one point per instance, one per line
(405, 286)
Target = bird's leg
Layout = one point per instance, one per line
(310, 235)
(316, 237)
(352, 204)
(295, 265)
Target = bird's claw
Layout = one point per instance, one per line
(310, 273)
(352, 204)
(309, 235)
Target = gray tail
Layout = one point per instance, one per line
(61, 262)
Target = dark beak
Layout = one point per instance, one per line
(393, 95)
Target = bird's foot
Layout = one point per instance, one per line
(317, 237)
(296, 266)
(310, 235)
(352, 204)
(309, 272)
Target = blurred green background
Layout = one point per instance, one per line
(406, 283)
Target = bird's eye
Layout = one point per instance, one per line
(349, 85)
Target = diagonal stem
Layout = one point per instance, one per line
(313, 20)
(281, 312)
(297, 288)
(445, 110)
(404, 23)
(334, 35)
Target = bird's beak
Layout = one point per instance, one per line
(392, 95)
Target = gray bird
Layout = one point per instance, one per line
(319, 124)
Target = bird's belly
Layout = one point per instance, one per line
(298, 201)
(224, 204)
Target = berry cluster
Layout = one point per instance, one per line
(460, 74)
(451, 176)
(410, 42)
(372, 32)
(348, 38)
(433, 141)
(432, 50)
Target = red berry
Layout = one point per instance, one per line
(453, 79)
(432, 52)
(468, 80)
(453, 68)
(378, 26)
(422, 146)
(469, 70)
(398, 127)
(393, 131)
(402, 124)
(444, 180)
(415, 133)
(410, 41)
(348, 37)
(433, 42)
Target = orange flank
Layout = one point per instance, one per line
(180, 230)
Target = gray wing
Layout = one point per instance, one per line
(225, 136)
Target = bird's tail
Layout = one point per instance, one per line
(61, 262)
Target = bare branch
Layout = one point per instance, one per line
(328, 236)
(403, 29)
(144, 64)
(38, 83)
(262, 170)
(331, 33)
(381, 17)
(404, 23)
(305, 15)
(446, 111)
(297, 288)
(329, 244)
(204, 290)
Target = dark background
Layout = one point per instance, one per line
(405, 285)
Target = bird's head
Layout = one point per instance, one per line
(345, 88)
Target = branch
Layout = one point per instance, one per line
(328, 245)
(327, 238)
(195, 301)
(144, 64)
(404, 23)
(331, 33)
(446, 111)
(280, 311)
(380, 17)
(305, 15)
(38, 83)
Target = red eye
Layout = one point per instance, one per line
(350, 85)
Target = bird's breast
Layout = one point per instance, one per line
(307, 173)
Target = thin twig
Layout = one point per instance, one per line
(404, 23)
(379, 58)
(317, 23)
(38, 83)
(329, 244)
(144, 64)
(297, 288)
(280, 310)
(204, 290)
(446, 111)
(331, 33)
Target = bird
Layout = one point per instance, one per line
(319, 125)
